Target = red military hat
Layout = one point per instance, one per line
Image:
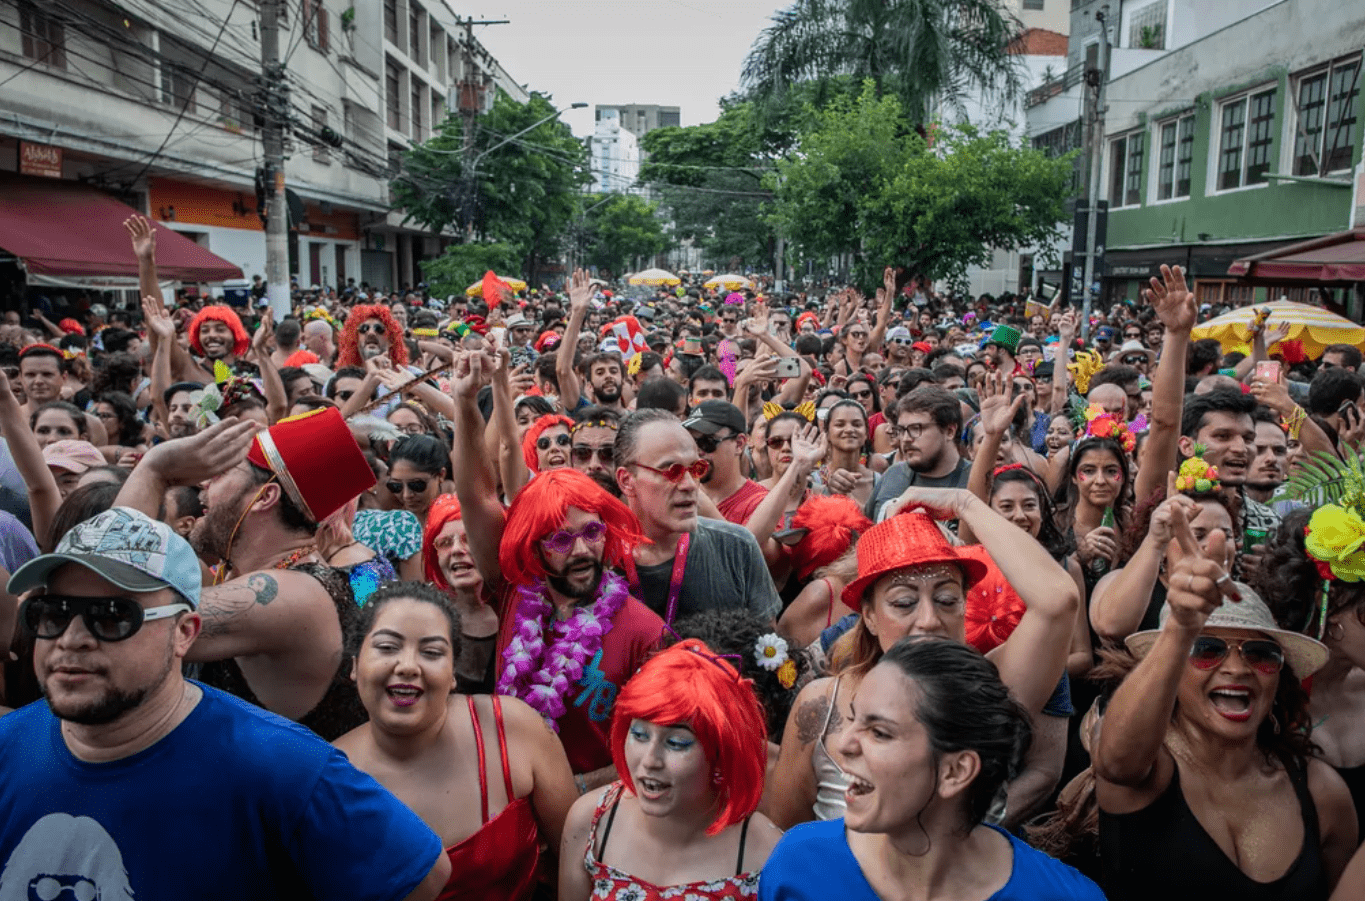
(316, 459)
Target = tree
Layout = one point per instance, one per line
(710, 179)
(863, 182)
(618, 228)
(464, 264)
(523, 193)
(924, 52)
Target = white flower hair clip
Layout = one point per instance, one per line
(770, 651)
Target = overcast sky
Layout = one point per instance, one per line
(684, 53)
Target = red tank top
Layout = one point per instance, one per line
(499, 862)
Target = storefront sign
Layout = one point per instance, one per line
(40, 159)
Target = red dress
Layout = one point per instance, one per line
(499, 862)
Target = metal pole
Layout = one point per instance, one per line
(275, 92)
(1096, 158)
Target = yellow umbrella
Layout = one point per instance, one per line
(708, 272)
(1315, 327)
(728, 282)
(476, 289)
(654, 277)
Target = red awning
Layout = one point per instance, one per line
(63, 228)
(1333, 258)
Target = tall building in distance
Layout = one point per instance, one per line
(615, 154)
(641, 118)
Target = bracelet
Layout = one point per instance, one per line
(1293, 423)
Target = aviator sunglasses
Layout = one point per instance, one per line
(107, 619)
(1260, 654)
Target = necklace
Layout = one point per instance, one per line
(542, 676)
(295, 557)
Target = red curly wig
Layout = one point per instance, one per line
(348, 342)
(528, 441)
(539, 510)
(832, 523)
(241, 341)
(689, 684)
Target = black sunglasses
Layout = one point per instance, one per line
(371, 327)
(708, 444)
(544, 441)
(1133, 361)
(416, 486)
(47, 616)
(582, 453)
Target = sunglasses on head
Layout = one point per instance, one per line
(544, 442)
(562, 542)
(1261, 654)
(416, 486)
(708, 444)
(582, 453)
(675, 473)
(367, 328)
(107, 619)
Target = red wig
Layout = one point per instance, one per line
(688, 684)
(348, 342)
(539, 510)
(528, 441)
(831, 523)
(241, 341)
(442, 511)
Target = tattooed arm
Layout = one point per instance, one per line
(262, 613)
(792, 799)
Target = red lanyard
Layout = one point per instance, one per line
(675, 582)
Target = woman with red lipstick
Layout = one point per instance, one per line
(483, 772)
(689, 740)
(1204, 776)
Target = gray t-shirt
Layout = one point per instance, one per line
(900, 477)
(725, 571)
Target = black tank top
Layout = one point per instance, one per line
(340, 709)
(1354, 777)
(1162, 852)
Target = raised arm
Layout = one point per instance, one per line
(580, 293)
(473, 477)
(1174, 303)
(43, 495)
(887, 296)
(186, 461)
(997, 412)
(276, 399)
(1122, 597)
(162, 333)
(511, 464)
(808, 449)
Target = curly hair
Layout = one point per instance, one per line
(116, 372)
(348, 342)
(226, 315)
(125, 411)
(734, 634)
(1289, 582)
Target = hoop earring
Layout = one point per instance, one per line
(1335, 630)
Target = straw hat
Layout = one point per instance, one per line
(1128, 348)
(1304, 655)
(901, 542)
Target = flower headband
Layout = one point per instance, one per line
(594, 424)
(1099, 424)
(770, 652)
(1196, 476)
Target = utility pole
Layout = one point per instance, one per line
(275, 99)
(469, 112)
(1096, 157)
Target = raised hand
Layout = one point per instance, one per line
(808, 447)
(580, 290)
(997, 410)
(757, 323)
(472, 370)
(1172, 298)
(1276, 333)
(1197, 581)
(889, 282)
(142, 235)
(200, 457)
(158, 321)
(260, 342)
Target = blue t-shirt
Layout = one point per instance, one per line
(234, 803)
(813, 862)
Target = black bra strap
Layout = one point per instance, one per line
(606, 832)
(743, 836)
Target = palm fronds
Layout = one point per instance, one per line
(1321, 478)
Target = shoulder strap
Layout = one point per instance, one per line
(611, 818)
(483, 765)
(743, 837)
(829, 711)
(502, 750)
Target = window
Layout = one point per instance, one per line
(1325, 107)
(177, 89)
(1147, 27)
(1176, 158)
(416, 110)
(315, 24)
(391, 21)
(44, 37)
(320, 153)
(1125, 171)
(415, 35)
(391, 95)
(1246, 134)
(1033, 4)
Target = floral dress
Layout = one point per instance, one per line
(396, 534)
(611, 884)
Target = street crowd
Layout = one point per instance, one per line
(685, 593)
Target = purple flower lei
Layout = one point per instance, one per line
(542, 676)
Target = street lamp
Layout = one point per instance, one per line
(474, 164)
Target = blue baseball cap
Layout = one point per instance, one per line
(123, 546)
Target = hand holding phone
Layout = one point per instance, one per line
(788, 367)
(1268, 370)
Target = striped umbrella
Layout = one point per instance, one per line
(1315, 327)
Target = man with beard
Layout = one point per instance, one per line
(571, 634)
(274, 625)
(928, 425)
(182, 415)
(126, 755)
(718, 428)
(606, 382)
(216, 333)
(371, 332)
(594, 434)
(1269, 460)
(606, 376)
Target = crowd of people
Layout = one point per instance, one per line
(687, 594)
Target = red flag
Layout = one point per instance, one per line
(495, 290)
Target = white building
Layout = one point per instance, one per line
(615, 155)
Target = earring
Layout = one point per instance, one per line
(1335, 630)
(1274, 723)
(716, 777)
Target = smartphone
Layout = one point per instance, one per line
(788, 367)
(1268, 370)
